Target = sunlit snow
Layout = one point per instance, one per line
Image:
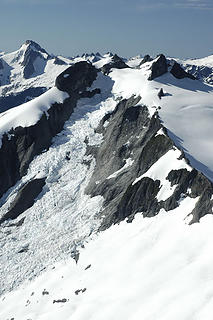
(156, 268)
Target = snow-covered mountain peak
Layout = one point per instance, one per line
(33, 46)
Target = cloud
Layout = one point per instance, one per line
(195, 4)
(32, 2)
(146, 5)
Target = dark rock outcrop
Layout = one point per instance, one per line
(202, 73)
(161, 93)
(19, 148)
(146, 58)
(35, 46)
(60, 300)
(1, 64)
(76, 78)
(140, 197)
(203, 206)
(24, 199)
(116, 62)
(159, 67)
(32, 52)
(59, 62)
(129, 133)
(179, 73)
(29, 58)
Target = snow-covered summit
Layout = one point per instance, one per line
(33, 46)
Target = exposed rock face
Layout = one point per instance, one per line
(18, 150)
(200, 72)
(29, 58)
(31, 54)
(179, 73)
(116, 62)
(76, 78)
(24, 199)
(146, 58)
(159, 67)
(161, 93)
(1, 64)
(59, 61)
(129, 133)
(35, 45)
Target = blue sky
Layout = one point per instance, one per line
(181, 28)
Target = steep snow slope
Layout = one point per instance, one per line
(186, 110)
(157, 268)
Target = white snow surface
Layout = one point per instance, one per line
(158, 268)
(30, 112)
(206, 61)
(134, 62)
(186, 110)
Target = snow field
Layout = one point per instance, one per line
(149, 269)
(186, 110)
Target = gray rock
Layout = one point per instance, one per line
(202, 73)
(59, 62)
(128, 132)
(161, 93)
(116, 62)
(33, 51)
(29, 58)
(24, 199)
(159, 67)
(180, 73)
(146, 58)
(1, 64)
(60, 300)
(76, 78)
(203, 206)
(35, 45)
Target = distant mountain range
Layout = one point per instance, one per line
(31, 70)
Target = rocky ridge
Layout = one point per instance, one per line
(130, 136)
